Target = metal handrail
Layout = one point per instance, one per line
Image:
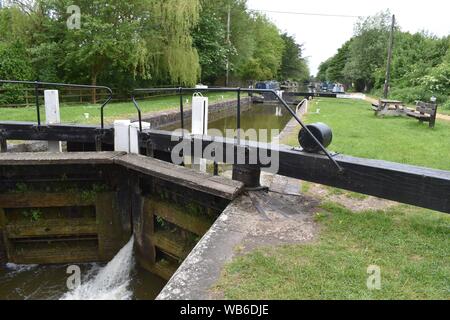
(38, 84)
(300, 105)
(238, 119)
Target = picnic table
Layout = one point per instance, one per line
(390, 108)
(424, 112)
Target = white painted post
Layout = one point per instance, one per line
(280, 93)
(200, 108)
(122, 135)
(52, 115)
(134, 135)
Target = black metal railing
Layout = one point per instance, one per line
(37, 85)
(238, 91)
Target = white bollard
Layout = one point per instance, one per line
(52, 115)
(200, 108)
(122, 135)
(134, 136)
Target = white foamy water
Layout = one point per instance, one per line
(15, 269)
(110, 283)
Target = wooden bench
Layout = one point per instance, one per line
(425, 112)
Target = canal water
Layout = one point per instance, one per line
(121, 278)
(258, 117)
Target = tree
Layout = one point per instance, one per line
(293, 66)
(243, 42)
(269, 45)
(13, 24)
(209, 40)
(268, 51)
(336, 65)
(420, 65)
(323, 69)
(368, 50)
(438, 80)
(149, 39)
(254, 69)
(125, 44)
(14, 64)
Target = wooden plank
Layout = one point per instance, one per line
(43, 200)
(57, 254)
(3, 239)
(162, 269)
(172, 243)
(184, 196)
(29, 131)
(387, 101)
(110, 232)
(147, 249)
(422, 117)
(426, 105)
(178, 216)
(42, 158)
(218, 186)
(3, 145)
(52, 228)
(418, 186)
(426, 110)
(2, 219)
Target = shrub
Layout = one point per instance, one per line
(14, 65)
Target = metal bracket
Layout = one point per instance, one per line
(300, 149)
(99, 139)
(150, 148)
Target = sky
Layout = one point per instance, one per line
(323, 36)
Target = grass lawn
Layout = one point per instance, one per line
(410, 245)
(126, 110)
(358, 132)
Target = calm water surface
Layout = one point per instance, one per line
(259, 116)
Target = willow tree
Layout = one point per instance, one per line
(140, 39)
(172, 56)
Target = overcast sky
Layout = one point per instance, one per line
(322, 36)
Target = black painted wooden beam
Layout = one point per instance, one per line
(75, 133)
(422, 187)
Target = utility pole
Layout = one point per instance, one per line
(227, 79)
(389, 61)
